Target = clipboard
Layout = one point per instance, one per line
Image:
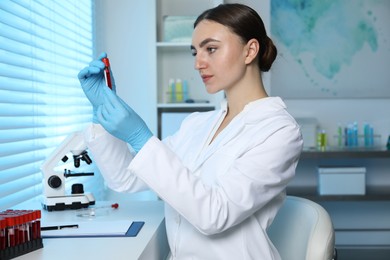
(117, 228)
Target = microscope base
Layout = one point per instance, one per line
(75, 201)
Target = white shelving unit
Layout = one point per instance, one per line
(174, 61)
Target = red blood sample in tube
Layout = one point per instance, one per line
(107, 74)
(3, 225)
(11, 231)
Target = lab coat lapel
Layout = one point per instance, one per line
(248, 116)
(202, 143)
(231, 131)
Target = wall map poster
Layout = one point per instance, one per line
(331, 48)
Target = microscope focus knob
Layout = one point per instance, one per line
(54, 182)
(77, 188)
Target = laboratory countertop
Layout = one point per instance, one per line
(150, 242)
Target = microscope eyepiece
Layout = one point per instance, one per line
(76, 161)
(86, 158)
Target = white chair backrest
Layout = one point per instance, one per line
(303, 229)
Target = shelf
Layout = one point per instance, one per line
(185, 105)
(311, 193)
(342, 153)
(174, 60)
(174, 45)
(367, 197)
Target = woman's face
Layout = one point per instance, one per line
(219, 56)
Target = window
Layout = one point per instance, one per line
(43, 46)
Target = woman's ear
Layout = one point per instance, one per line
(252, 48)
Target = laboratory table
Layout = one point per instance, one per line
(150, 242)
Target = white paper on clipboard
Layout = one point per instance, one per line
(89, 229)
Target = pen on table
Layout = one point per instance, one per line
(58, 227)
(114, 206)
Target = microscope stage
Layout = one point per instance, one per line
(74, 201)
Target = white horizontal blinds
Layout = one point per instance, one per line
(43, 45)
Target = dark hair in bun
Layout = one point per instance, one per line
(247, 24)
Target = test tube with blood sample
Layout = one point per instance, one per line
(11, 234)
(107, 74)
(37, 224)
(3, 225)
(19, 232)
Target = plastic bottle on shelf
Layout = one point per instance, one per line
(366, 132)
(322, 140)
(371, 136)
(355, 134)
(349, 135)
(170, 93)
(340, 136)
(185, 91)
(368, 135)
(179, 90)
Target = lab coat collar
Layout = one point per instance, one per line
(266, 105)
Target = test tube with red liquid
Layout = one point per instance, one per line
(20, 232)
(3, 241)
(107, 75)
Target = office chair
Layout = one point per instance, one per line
(301, 230)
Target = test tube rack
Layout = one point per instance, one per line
(20, 232)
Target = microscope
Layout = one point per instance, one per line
(54, 194)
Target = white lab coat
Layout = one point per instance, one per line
(220, 197)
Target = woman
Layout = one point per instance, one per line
(223, 175)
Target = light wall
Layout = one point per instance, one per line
(126, 30)
(332, 112)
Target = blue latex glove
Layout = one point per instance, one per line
(122, 122)
(92, 81)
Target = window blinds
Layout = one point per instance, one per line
(43, 46)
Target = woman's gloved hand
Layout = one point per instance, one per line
(122, 122)
(93, 83)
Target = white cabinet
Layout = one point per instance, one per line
(361, 222)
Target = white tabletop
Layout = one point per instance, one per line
(150, 243)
